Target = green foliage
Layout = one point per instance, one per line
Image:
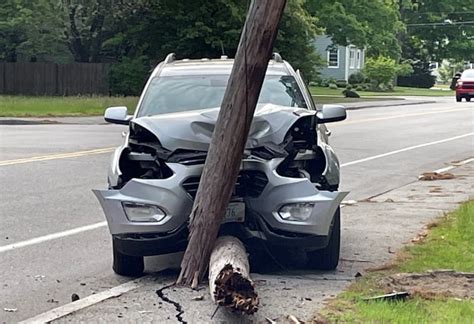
(356, 78)
(420, 78)
(381, 71)
(448, 69)
(365, 23)
(332, 86)
(31, 30)
(128, 77)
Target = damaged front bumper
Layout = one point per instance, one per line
(173, 197)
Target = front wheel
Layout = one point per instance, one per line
(468, 98)
(127, 265)
(458, 98)
(328, 258)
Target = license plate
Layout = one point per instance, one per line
(235, 213)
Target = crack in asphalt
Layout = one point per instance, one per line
(177, 306)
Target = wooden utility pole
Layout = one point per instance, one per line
(230, 135)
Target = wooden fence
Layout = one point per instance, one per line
(51, 79)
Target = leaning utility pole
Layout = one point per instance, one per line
(230, 135)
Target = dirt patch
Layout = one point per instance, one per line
(441, 283)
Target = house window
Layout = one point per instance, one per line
(352, 58)
(333, 57)
(359, 58)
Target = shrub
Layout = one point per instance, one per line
(341, 83)
(332, 86)
(356, 78)
(128, 77)
(420, 78)
(349, 93)
(383, 70)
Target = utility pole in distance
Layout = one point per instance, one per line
(230, 135)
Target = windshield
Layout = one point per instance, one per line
(183, 93)
(468, 74)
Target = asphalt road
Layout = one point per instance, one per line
(46, 202)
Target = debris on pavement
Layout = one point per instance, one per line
(431, 176)
(349, 202)
(10, 310)
(75, 297)
(198, 298)
(389, 297)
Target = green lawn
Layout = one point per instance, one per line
(20, 106)
(320, 100)
(449, 245)
(399, 91)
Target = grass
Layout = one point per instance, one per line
(449, 245)
(399, 91)
(20, 106)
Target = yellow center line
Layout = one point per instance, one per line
(57, 156)
(351, 122)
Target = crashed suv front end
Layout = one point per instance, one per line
(286, 193)
(152, 188)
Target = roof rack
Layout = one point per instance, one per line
(277, 57)
(171, 57)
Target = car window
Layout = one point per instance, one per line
(468, 74)
(169, 94)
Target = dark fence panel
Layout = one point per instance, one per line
(50, 79)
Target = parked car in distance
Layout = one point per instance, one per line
(287, 193)
(465, 86)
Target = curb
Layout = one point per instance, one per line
(374, 105)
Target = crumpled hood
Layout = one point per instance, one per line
(192, 130)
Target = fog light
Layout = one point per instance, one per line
(143, 213)
(299, 212)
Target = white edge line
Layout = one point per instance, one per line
(70, 308)
(455, 165)
(51, 237)
(405, 149)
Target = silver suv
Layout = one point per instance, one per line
(286, 195)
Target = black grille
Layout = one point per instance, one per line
(249, 184)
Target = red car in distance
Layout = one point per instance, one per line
(465, 86)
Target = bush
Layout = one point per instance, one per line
(341, 83)
(350, 93)
(420, 78)
(332, 86)
(383, 70)
(128, 77)
(356, 78)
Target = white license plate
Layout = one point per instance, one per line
(235, 213)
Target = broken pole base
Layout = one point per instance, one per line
(229, 279)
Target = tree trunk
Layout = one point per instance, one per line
(229, 277)
(230, 135)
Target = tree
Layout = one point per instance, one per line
(382, 70)
(365, 23)
(30, 30)
(439, 29)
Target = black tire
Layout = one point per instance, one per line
(127, 265)
(468, 98)
(458, 98)
(328, 258)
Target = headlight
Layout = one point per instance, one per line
(143, 213)
(296, 212)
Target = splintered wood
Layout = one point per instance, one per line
(229, 280)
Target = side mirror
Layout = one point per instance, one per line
(117, 115)
(331, 113)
